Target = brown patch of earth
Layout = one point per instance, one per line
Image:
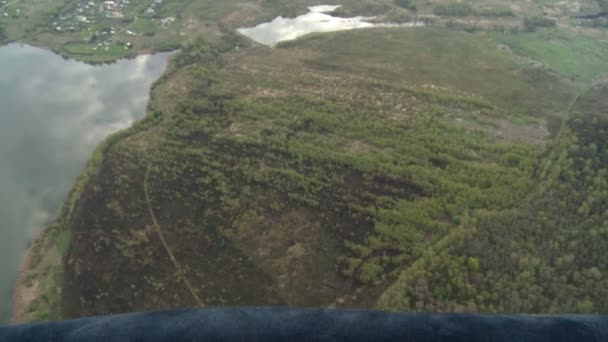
(357, 146)
(508, 132)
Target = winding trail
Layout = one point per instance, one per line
(167, 248)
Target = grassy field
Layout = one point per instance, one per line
(444, 59)
(143, 26)
(581, 57)
(79, 49)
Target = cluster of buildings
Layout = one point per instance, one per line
(101, 23)
(87, 13)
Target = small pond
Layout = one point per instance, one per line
(318, 19)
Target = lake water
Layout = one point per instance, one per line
(316, 20)
(53, 112)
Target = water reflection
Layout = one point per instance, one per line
(316, 20)
(53, 112)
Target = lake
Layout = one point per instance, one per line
(318, 19)
(53, 112)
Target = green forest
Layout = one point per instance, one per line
(545, 255)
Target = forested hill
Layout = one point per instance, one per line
(456, 167)
(306, 175)
(547, 255)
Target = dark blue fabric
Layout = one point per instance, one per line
(281, 324)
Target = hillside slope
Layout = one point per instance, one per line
(418, 169)
(289, 176)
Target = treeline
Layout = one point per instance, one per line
(531, 24)
(598, 23)
(205, 52)
(465, 9)
(408, 4)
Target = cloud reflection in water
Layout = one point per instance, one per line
(53, 112)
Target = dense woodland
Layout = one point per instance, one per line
(547, 255)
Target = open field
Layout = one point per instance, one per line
(580, 56)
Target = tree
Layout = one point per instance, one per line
(408, 4)
(532, 23)
(454, 9)
(585, 306)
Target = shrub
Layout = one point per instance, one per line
(370, 271)
(454, 9)
(532, 23)
(395, 16)
(495, 12)
(454, 25)
(408, 4)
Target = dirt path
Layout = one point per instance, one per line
(167, 248)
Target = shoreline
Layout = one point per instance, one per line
(82, 58)
(22, 294)
(27, 286)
